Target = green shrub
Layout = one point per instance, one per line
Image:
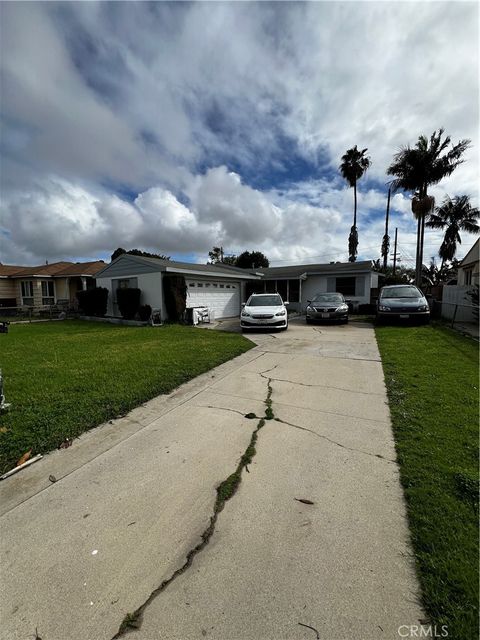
(128, 301)
(93, 302)
(175, 294)
(144, 312)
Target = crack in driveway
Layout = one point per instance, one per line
(225, 491)
(338, 444)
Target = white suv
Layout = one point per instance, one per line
(264, 310)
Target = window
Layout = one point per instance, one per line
(282, 289)
(222, 286)
(468, 276)
(199, 284)
(27, 292)
(346, 285)
(207, 284)
(191, 284)
(48, 292)
(215, 285)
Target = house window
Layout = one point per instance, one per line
(346, 285)
(222, 286)
(27, 292)
(282, 289)
(468, 276)
(48, 292)
(199, 284)
(191, 284)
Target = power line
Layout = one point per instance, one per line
(325, 255)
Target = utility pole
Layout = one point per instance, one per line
(395, 251)
(386, 239)
(221, 254)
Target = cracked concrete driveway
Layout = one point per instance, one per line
(135, 497)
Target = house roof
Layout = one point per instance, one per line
(295, 271)
(173, 266)
(55, 269)
(472, 256)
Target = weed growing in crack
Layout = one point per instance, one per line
(131, 621)
(250, 416)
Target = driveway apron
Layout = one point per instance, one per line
(313, 543)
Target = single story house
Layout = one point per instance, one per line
(219, 287)
(456, 300)
(469, 268)
(299, 283)
(46, 284)
(222, 288)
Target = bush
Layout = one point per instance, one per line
(144, 312)
(93, 302)
(175, 295)
(128, 301)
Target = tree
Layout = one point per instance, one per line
(353, 166)
(417, 169)
(386, 237)
(252, 260)
(137, 252)
(216, 255)
(454, 216)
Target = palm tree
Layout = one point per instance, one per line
(454, 216)
(417, 169)
(386, 237)
(354, 164)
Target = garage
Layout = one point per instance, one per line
(221, 298)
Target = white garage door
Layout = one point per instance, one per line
(220, 297)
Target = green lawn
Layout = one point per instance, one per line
(63, 378)
(432, 381)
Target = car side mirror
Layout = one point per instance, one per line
(286, 303)
(243, 304)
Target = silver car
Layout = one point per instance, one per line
(402, 302)
(264, 311)
(327, 306)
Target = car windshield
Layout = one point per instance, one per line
(401, 292)
(264, 301)
(328, 297)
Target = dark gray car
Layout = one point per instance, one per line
(402, 302)
(327, 306)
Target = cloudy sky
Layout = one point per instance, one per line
(173, 127)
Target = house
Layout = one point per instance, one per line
(45, 284)
(456, 301)
(219, 287)
(222, 288)
(469, 268)
(299, 283)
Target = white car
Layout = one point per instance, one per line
(264, 310)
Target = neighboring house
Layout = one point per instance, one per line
(45, 284)
(219, 287)
(299, 283)
(222, 288)
(456, 303)
(469, 268)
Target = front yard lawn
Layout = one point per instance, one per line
(432, 381)
(63, 378)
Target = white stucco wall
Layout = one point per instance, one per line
(150, 285)
(319, 284)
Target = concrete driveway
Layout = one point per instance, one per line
(313, 544)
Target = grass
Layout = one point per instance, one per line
(432, 381)
(63, 378)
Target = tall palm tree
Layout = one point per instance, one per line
(354, 164)
(417, 169)
(454, 216)
(386, 237)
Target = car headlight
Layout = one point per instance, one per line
(343, 307)
(382, 307)
(281, 313)
(245, 314)
(423, 307)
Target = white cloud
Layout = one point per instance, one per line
(160, 98)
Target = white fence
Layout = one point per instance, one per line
(456, 305)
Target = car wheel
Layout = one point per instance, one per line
(345, 321)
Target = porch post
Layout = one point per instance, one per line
(84, 283)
